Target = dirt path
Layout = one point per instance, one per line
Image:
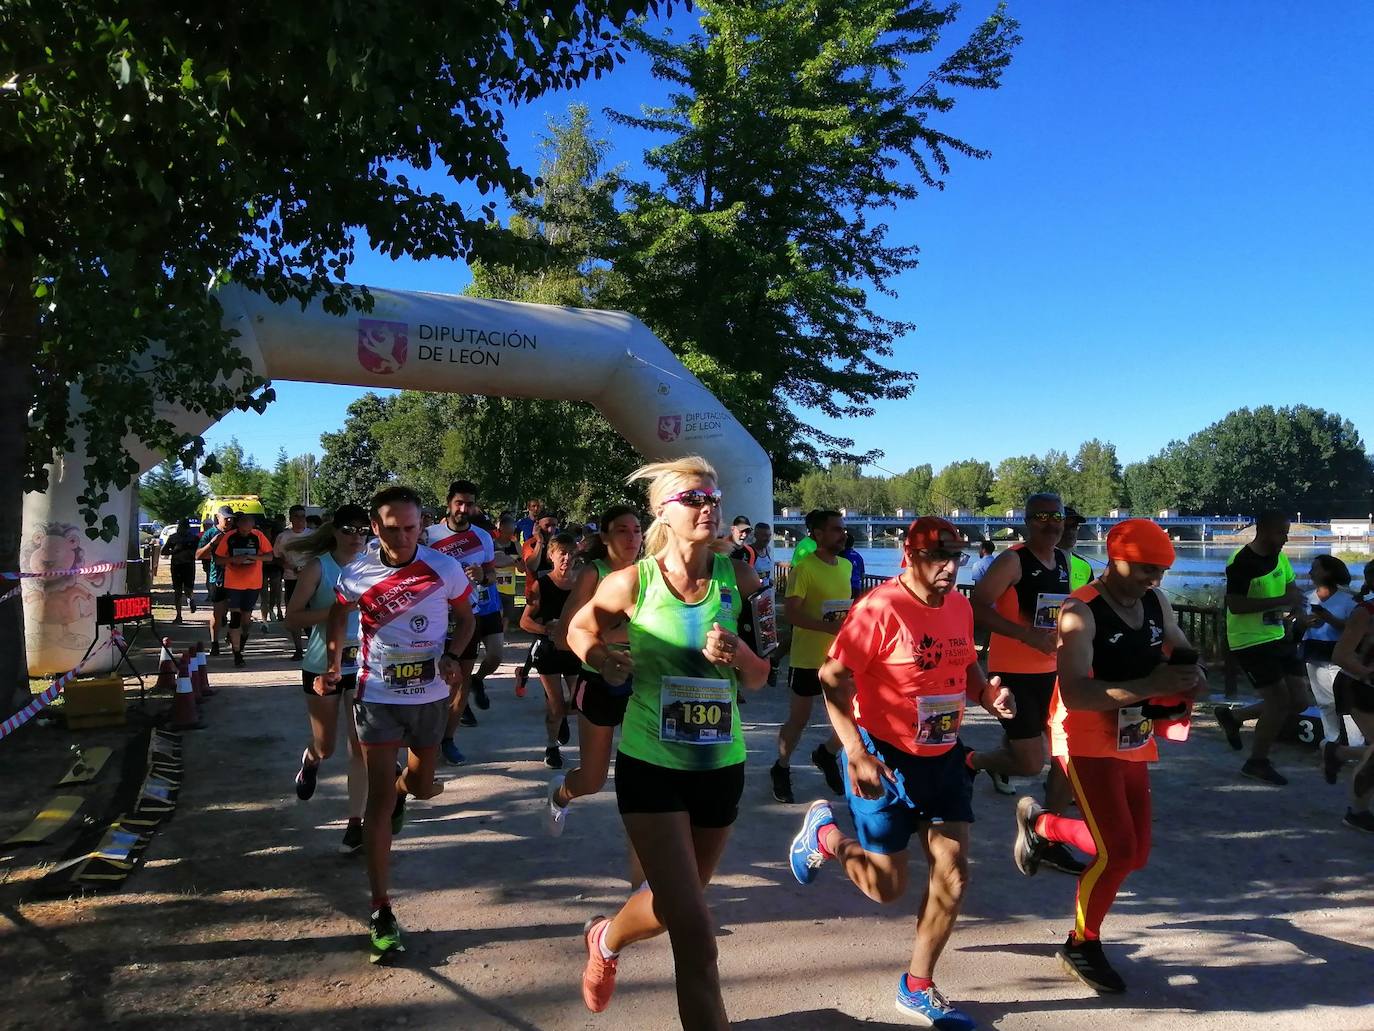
(1257, 909)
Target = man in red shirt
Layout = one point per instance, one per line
(896, 682)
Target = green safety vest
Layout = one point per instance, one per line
(1080, 572)
(1251, 628)
(666, 638)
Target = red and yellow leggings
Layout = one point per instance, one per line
(1114, 798)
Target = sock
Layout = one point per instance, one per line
(1066, 829)
(381, 903)
(918, 984)
(781, 765)
(822, 832)
(601, 942)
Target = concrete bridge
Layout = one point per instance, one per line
(1202, 529)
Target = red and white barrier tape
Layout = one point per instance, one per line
(57, 574)
(36, 706)
(12, 594)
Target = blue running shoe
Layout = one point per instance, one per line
(451, 754)
(931, 1008)
(806, 856)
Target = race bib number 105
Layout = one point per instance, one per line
(410, 672)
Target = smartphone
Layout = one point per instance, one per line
(1184, 657)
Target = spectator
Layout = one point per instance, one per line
(856, 576)
(987, 552)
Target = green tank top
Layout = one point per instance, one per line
(1251, 628)
(602, 569)
(316, 660)
(1080, 572)
(682, 713)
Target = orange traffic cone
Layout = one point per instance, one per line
(200, 671)
(167, 671)
(184, 715)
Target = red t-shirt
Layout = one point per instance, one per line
(910, 664)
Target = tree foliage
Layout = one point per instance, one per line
(965, 485)
(351, 469)
(238, 472)
(168, 495)
(755, 253)
(1293, 459)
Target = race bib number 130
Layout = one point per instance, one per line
(696, 711)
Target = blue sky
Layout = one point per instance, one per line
(1175, 222)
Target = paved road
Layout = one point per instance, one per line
(1256, 911)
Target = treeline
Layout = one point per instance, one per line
(167, 493)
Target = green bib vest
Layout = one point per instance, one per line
(1251, 628)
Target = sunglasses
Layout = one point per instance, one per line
(1045, 517)
(354, 531)
(943, 556)
(696, 498)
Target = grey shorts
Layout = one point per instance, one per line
(415, 726)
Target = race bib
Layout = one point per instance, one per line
(938, 718)
(479, 596)
(1047, 610)
(835, 611)
(505, 583)
(411, 673)
(1133, 730)
(242, 552)
(696, 711)
(349, 662)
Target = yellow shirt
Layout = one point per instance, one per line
(825, 593)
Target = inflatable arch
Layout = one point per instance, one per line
(419, 341)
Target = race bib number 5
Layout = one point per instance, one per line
(696, 711)
(938, 718)
(410, 672)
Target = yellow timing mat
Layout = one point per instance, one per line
(51, 819)
(87, 766)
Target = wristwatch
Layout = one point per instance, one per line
(449, 655)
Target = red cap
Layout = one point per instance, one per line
(925, 533)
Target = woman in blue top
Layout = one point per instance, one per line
(326, 551)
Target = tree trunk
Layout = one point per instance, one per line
(18, 343)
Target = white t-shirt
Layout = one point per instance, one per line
(1341, 604)
(471, 547)
(290, 563)
(403, 619)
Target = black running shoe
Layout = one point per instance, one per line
(564, 732)
(1331, 761)
(192, 600)
(297, 655)
(214, 647)
(1086, 961)
(829, 765)
(238, 660)
(782, 783)
(553, 758)
(1361, 821)
(1230, 726)
(352, 842)
(1263, 770)
(1029, 845)
(467, 719)
(305, 779)
(479, 694)
(1057, 856)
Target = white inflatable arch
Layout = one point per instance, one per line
(419, 341)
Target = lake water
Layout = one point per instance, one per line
(1198, 575)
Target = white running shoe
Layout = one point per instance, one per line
(555, 815)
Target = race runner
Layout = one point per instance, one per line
(556, 665)
(600, 707)
(1123, 663)
(214, 572)
(507, 563)
(679, 773)
(295, 531)
(1018, 600)
(457, 537)
(896, 681)
(1355, 695)
(1261, 590)
(242, 553)
(534, 561)
(318, 558)
(818, 599)
(406, 595)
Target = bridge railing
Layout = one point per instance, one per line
(1204, 625)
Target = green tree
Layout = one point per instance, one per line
(965, 485)
(168, 495)
(351, 469)
(1016, 479)
(755, 251)
(285, 485)
(239, 473)
(1098, 486)
(1148, 486)
(910, 491)
(150, 151)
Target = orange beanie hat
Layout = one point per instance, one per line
(1140, 540)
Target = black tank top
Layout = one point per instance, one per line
(551, 599)
(1121, 652)
(1037, 579)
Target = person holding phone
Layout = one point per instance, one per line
(1115, 635)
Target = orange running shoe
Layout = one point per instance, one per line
(598, 979)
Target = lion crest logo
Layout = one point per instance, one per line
(382, 345)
